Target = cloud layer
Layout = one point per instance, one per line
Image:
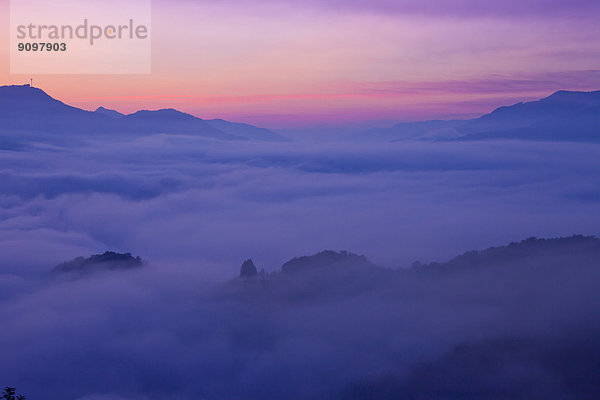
(183, 198)
(194, 209)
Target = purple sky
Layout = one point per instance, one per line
(286, 63)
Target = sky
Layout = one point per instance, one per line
(287, 64)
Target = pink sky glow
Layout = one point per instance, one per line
(294, 63)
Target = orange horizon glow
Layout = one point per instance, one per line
(295, 65)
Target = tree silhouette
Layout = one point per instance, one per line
(248, 269)
(10, 394)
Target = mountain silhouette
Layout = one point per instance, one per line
(27, 109)
(108, 261)
(108, 112)
(563, 250)
(552, 250)
(246, 131)
(563, 116)
(171, 121)
(420, 130)
(326, 260)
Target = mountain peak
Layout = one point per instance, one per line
(567, 96)
(18, 102)
(23, 92)
(163, 114)
(30, 109)
(108, 112)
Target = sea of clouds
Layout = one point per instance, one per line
(210, 205)
(194, 209)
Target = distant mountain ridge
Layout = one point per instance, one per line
(28, 109)
(328, 261)
(562, 116)
(108, 112)
(330, 274)
(532, 247)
